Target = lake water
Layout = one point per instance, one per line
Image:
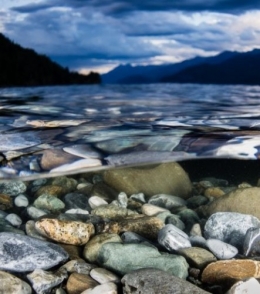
(120, 125)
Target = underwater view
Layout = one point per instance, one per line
(130, 188)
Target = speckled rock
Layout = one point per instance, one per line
(230, 271)
(12, 188)
(229, 227)
(124, 258)
(53, 190)
(102, 275)
(77, 283)
(236, 201)
(11, 284)
(49, 202)
(92, 248)
(43, 281)
(112, 212)
(197, 257)
(189, 218)
(168, 178)
(21, 253)
(68, 232)
(6, 202)
(154, 281)
(78, 266)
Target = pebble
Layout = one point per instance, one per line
(11, 284)
(22, 253)
(251, 246)
(221, 249)
(230, 227)
(131, 237)
(107, 288)
(12, 188)
(103, 276)
(122, 199)
(76, 200)
(152, 210)
(35, 213)
(174, 220)
(77, 283)
(32, 232)
(112, 212)
(77, 211)
(78, 266)
(169, 202)
(96, 201)
(139, 197)
(154, 281)
(172, 238)
(250, 286)
(14, 219)
(6, 202)
(68, 232)
(21, 201)
(53, 190)
(49, 202)
(43, 281)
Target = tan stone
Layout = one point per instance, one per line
(52, 158)
(214, 192)
(112, 212)
(5, 202)
(75, 252)
(68, 232)
(246, 200)
(77, 283)
(230, 271)
(167, 178)
(92, 248)
(50, 190)
(11, 284)
(151, 210)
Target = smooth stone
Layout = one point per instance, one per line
(5, 226)
(229, 227)
(189, 218)
(245, 201)
(52, 158)
(102, 275)
(250, 286)
(76, 200)
(196, 201)
(77, 283)
(139, 197)
(131, 237)
(152, 210)
(172, 238)
(155, 281)
(74, 252)
(92, 248)
(169, 202)
(168, 178)
(68, 232)
(231, 271)
(196, 230)
(96, 201)
(122, 199)
(53, 190)
(11, 284)
(198, 241)
(35, 213)
(112, 212)
(32, 232)
(78, 266)
(124, 258)
(43, 281)
(176, 221)
(12, 188)
(20, 253)
(14, 219)
(197, 257)
(77, 211)
(21, 201)
(68, 184)
(221, 249)
(6, 202)
(49, 202)
(77, 165)
(107, 288)
(251, 246)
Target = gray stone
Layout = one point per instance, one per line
(229, 227)
(197, 201)
(32, 232)
(43, 281)
(21, 201)
(198, 241)
(131, 237)
(154, 281)
(11, 284)
(139, 197)
(78, 266)
(35, 213)
(196, 230)
(125, 258)
(189, 217)
(5, 226)
(14, 219)
(122, 199)
(12, 188)
(166, 201)
(221, 249)
(49, 202)
(102, 275)
(107, 288)
(251, 245)
(250, 286)
(172, 238)
(21, 253)
(176, 221)
(17, 141)
(76, 200)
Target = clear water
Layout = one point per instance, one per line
(128, 124)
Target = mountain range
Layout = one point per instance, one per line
(225, 68)
(24, 67)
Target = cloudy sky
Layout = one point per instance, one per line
(98, 35)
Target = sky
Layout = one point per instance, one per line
(98, 35)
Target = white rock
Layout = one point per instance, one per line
(151, 210)
(77, 211)
(96, 201)
(108, 288)
(79, 164)
(139, 197)
(35, 213)
(14, 219)
(172, 238)
(122, 199)
(221, 249)
(21, 201)
(250, 286)
(11, 284)
(103, 276)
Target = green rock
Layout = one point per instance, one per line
(126, 258)
(49, 202)
(167, 178)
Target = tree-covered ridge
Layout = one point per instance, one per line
(24, 67)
